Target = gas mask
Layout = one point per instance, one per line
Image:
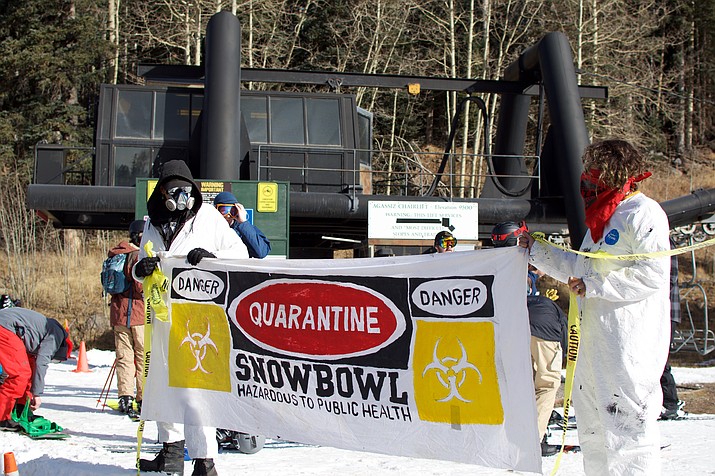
(179, 198)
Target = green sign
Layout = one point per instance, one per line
(272, 220)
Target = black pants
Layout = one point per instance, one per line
(670, 393)
(667, 382)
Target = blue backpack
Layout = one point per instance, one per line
(114, 281)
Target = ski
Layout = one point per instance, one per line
(556, 421)
(132, 448)
(114, 405)
(690, 416)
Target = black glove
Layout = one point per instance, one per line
(3, 376)
(146, 266)
(197, 254)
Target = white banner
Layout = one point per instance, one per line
(422, 356)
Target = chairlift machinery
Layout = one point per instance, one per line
(321, 144)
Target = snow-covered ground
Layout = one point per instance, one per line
(103, 442)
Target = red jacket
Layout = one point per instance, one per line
(120, 313)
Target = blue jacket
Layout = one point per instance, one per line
(258, 245)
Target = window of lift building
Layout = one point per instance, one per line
(133, 114)
(130, 163)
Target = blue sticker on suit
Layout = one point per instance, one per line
(612, 237)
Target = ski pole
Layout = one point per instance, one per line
(107, 385)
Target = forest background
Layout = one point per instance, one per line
(656, 57)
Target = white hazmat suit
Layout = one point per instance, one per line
(625, 334)
(204, 228)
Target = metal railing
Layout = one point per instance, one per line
(698, 336)
(395, 172)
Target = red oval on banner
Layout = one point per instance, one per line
(317, 318)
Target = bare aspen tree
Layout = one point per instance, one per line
(113, 30)
(477, 166)
(471, 26)
(689, 111)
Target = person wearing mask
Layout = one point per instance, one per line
(237, 218)
(624, 311)
(126, 316)
(28, 342)
(180, 223)
(444, 242)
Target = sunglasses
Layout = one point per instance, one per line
(448, 242)
(226, 209)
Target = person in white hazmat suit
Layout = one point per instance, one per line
(181, 224)
(624, 313)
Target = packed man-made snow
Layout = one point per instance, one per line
(103, 442)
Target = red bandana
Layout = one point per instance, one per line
(601, 201)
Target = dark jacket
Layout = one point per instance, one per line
(155, 204)
(546, 319)
(127, 309)
(159, 215)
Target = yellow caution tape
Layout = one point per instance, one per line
(633, 257)
(157, 285)
(574, 338)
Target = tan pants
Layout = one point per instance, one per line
(546, 363)
(129, 348)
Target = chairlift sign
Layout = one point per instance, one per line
(408, 220)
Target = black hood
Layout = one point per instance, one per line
(173, 169)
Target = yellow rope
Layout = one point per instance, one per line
(633, 257)
(156, 286)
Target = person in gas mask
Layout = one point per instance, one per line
(624, 308)
(180, 223)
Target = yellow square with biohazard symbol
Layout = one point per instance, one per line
(455, 374)
(199, 345)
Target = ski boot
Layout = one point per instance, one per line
(548, 449)
(125, 403)
(169, 460)
(204, 467)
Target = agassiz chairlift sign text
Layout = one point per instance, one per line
(400, 220)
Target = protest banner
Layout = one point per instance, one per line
(422, 356)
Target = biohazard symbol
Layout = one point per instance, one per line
(199, 344)
(451, 372)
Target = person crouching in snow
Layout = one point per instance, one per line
(181, 224)
(28, 342)
(624, 308)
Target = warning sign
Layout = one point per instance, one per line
(402, 220)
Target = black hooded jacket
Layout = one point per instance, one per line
(159, 215)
